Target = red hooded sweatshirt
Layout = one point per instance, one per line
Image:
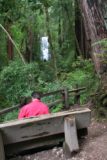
(34, 108)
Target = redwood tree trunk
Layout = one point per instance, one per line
(95, 29)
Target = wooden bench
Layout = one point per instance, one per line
(21, 135)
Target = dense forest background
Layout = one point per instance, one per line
(73, 47)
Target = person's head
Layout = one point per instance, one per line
(23, 101)
(36, 95)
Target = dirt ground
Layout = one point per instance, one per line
(92, 147)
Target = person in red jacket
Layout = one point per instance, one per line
(34, 108)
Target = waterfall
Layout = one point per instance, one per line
(45, 48)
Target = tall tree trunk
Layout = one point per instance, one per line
(94, 29)
(29, 45)
(68, 40)
(50, 40)
(59, 34)
(10, 53)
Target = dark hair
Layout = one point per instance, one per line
(36, 95)
(24, 101)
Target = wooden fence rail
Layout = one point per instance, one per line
(8, 109)
(64, 93)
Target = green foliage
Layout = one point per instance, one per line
(3, 55)
(102, 42)
(18, 80)
(28, 18)
(57, 108)
(9, 116)
(102, 54)
(82, 74)
(28, 23)
(18, 34)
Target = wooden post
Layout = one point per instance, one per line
(2, 154)
(77, 96)
(71, 141)
(65, 98)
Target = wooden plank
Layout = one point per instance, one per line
(19, 133)
(2, 153)
(77, 111)
(42, 126)
(17, 148)
(54, 103)
(77, 89)
(51, 93)
(59, 91)
(6, 110)
(70, 130)
(73, 93)
(10, 109)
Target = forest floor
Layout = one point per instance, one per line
(92, 147)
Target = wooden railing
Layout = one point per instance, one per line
(64, 94)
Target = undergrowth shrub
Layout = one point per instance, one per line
(83, 75)
(18, 80)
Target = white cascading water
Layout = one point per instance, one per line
(45, 48)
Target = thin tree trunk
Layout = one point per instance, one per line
(29, 45)
(50, 40)
(10, 53)
(59, 34)
(13, 43)
(9, 49)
